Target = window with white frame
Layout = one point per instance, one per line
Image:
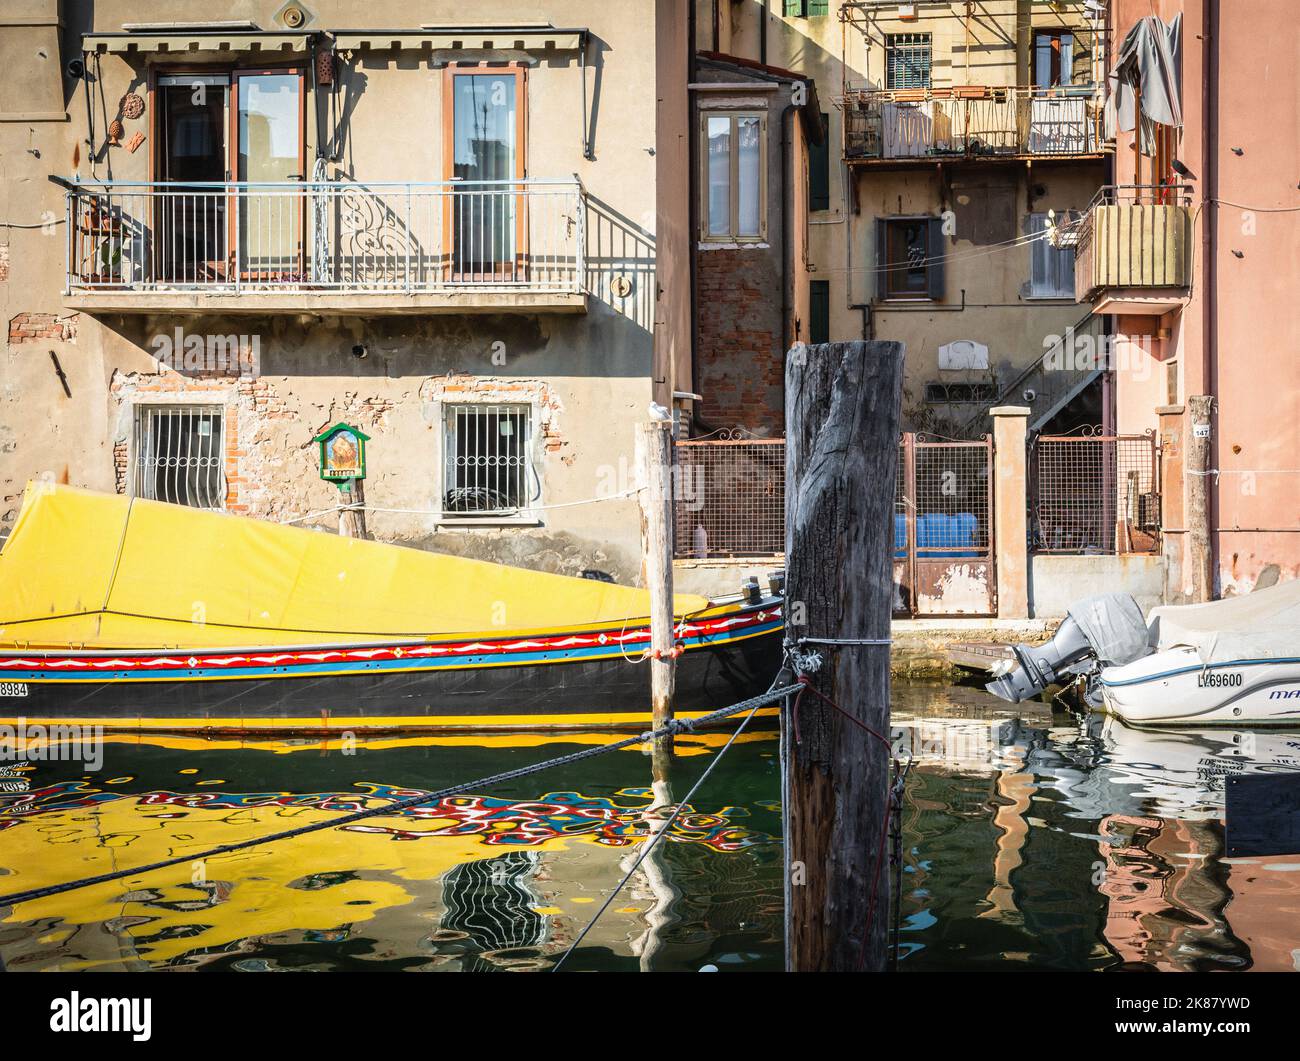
(734, 189)
(487, 467)
(1051, 269)
(180, 454)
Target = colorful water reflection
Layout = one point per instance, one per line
(1032, 840)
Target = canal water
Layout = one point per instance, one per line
(1031, 840)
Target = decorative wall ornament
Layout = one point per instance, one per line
(131, 106)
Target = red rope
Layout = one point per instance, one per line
(807, 686)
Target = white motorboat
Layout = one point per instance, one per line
(1226, 662)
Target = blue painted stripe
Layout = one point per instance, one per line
(1198, 669)
(367, 667)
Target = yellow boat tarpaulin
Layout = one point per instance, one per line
(104, 570)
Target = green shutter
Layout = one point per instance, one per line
(819, 170)
(818, 7)
(819, 311)
(882, 285)
(793, 8)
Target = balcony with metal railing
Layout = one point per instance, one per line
(1133, 249)
(971, 122)
(328, 246)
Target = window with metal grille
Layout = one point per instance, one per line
(1051, 269)
(907, 60)
(180, 454)
(488, 468)
(959, 393)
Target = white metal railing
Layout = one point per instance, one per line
(971, 120)
(400, 237)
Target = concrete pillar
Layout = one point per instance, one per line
(1010, 529)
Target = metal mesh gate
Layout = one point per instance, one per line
(943, 528)
(1095, 493)
(729, 496)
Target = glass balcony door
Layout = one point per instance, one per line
(269, 133)
(189, 210)
(483, 146)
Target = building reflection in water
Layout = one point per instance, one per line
(1059, 842)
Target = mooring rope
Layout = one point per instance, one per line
(675, 726)
(649, 845)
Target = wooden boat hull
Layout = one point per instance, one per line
(524, 681)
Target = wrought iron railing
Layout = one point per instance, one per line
(972, 120)
(342, 236)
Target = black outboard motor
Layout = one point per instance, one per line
(1102, 631)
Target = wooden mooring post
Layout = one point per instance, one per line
(654, 453)
(1199, 537)
(842, 430)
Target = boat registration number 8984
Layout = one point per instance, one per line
(1211, 680)
(13, 688)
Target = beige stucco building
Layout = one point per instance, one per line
(953, 131)
(229, 229)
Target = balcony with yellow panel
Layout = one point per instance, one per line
(1133, 250)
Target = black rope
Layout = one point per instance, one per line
(663, 831)
(674, 726)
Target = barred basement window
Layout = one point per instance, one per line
(488, 469)
(180, 454)
(959, 393)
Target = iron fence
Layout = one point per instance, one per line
(405, 237)
(729, 497)
(971, 121)
(1095, 493)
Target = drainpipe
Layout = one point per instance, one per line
(1210, 353)
(693, 205)
(762, 34)
(787, 230)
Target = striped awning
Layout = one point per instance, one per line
(176, 42)
(461, 39)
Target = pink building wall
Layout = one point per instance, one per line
(1249, 147)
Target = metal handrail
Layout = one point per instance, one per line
(514, 234)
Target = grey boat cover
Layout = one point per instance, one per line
(1114, 627)
(1260, 625)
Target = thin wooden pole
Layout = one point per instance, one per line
(654, 451)
(352, 520)
(842, 420)
(1198, 497)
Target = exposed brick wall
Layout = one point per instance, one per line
(121, 454)
(739, 356)
(43, 327)
(490, 389)
(254, 396)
